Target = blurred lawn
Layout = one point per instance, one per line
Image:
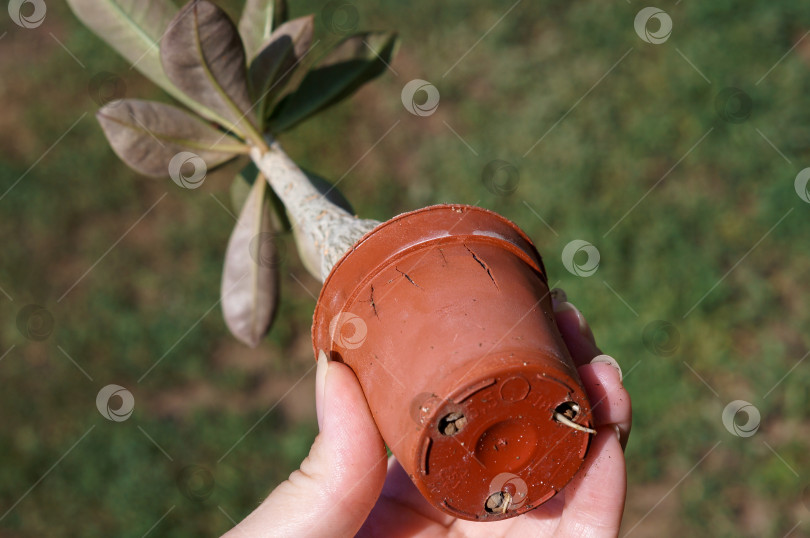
(213, 432)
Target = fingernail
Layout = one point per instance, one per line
(607, 359)
(558, 296)
(565, 306)
(623, 444)
(320, 385)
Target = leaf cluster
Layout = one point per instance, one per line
(240, 84)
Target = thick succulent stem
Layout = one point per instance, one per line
(324, 232)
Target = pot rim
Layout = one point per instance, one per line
(527, 251)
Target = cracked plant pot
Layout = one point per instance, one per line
(445, 316)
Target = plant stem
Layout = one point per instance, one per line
(324, 232)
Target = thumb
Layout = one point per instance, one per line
(339, 482)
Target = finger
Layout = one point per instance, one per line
(320, 383)
(399, 487)
(559, 300)
(594, 499)
(610, 401)
(338, 483)
(401, 510)
(575, 332)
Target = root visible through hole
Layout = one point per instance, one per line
(566, 412)
(452, 424)
(498, 502)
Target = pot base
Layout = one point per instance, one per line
(501, 426)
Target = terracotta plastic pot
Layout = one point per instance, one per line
(445, 316)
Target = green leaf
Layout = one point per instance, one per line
(276, 62)
(259, 19)
(133, 28)
(147, 135)
(250, 276)
(202, 55)
(353, 62)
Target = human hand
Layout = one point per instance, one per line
(347, 485)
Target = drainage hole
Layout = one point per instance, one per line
(498, 502)
(569, 410)
(452, 423)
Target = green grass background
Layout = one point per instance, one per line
(151, 296)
